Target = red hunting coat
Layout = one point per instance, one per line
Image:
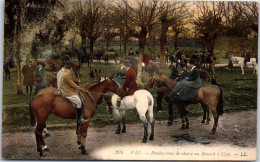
(129, 87)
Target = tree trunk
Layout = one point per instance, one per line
(72, 43)
(150, 41)
(175, 41)
(213, 72)
(163, 40)
(142, 42)
(91, 52)
(125, 43)
(18, 68)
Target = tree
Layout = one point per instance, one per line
(20, 13)
(171, 15)
(143, 14)
(209, 25)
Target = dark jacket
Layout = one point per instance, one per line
(120, 76)
(129, 87)
(182, 75)
(174, 72)
(28, 73)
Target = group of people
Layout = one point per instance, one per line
(188, 83)
(33, 75)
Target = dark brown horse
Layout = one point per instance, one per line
(49, 102)
(208, 96)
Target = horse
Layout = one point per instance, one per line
(49, 102)
(240, 61)
(208, 96)
(143, 102)
(160, 92)
(53, 64)
(150, 68)
(110, 55)
(51, 81)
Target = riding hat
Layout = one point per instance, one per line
(192, 61)
(127, 63)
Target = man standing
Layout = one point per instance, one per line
(67, 89)
(129, 87)
(40, 75)
(28, 73)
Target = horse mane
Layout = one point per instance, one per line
(97, 85)
(169, 82)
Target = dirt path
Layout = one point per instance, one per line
(236, 131)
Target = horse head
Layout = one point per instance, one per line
(150, 82)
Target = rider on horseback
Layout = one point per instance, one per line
(187, 89)
(67, 89)
(183, 74)
(120, 75)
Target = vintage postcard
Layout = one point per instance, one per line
(130, 80)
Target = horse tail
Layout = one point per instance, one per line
(220, 103)
(32, 115)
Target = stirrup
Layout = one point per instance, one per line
(81, 121)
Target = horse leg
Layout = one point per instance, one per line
(123, 121)
(215, 115)
(150, 109)
(159, 100)
(39, 138)
(242, 69)
(205, 113)
(144, 120)
(187, 122)
(170, 112)
(118, 116)
(83, 132)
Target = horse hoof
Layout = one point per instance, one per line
(151, 138)
(117, 132)
(123, 131)
(187, 127)
(203, 121)
(84, 152)
(46, 149)
(42, 153)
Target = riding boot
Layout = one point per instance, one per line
(118, 102)
(80, 119)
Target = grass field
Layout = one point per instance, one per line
(239, 93)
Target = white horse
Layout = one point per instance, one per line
(240, 61)
(143, 101)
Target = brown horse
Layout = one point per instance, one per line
(51, 81)
(53, 64)
(164, 93)
(208, 96)
(110, 55)
(49, 102)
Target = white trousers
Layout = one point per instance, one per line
(75, 100)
